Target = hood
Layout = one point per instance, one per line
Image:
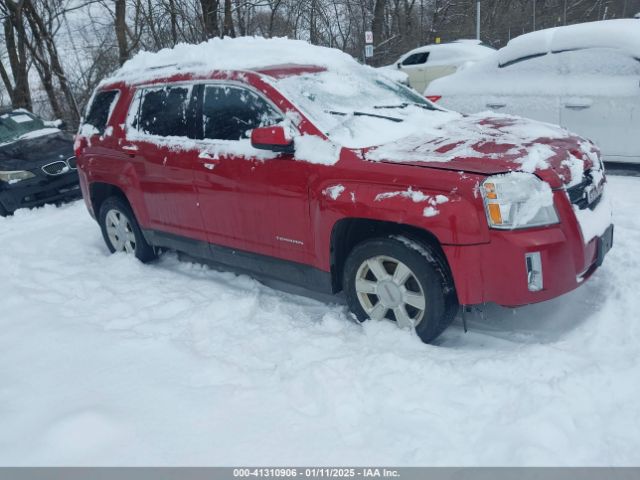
(492, 144)
(35, 151)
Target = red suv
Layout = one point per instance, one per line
(335, 178)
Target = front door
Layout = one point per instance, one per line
(250, 199)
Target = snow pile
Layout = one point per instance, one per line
(623, 34)
(597, 58)
(310, 148)
(593, 223)
(484, 135)
(105, 361)
(334, 191)
(243, 53)
(454, 53)
(417, 196)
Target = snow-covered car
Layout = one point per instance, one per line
(584, 77)
(333, 177)
(424, 64)
(37, 164)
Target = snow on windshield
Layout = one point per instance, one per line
(21, 124)
(357, 107)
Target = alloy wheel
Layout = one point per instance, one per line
(120, 232)
(388, 289)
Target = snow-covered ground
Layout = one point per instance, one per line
(107, 361)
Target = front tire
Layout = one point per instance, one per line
(400, 280)
(121, 231)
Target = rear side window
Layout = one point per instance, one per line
(100, 109)
(416, 58)
(164, 111)
(599, 61)
(230, 113)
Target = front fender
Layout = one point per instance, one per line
(451, 217)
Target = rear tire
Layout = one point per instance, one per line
(121, 231)
(400, 280)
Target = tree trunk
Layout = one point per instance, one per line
(21, 97)
(228, 29)
(210, 18)
(377, 24)
(40, 29)
(174, 21)
(121, 31)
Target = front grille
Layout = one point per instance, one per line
(579, 194)
(71, 161)
(56, 168)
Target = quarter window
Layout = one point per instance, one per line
(101, 108)
(230, 113)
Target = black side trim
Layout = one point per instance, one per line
(262, 267)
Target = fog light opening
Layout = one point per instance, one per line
(533, 261)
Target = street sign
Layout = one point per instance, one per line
(368, 37)
(368, 51)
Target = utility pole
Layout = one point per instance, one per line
(478, 20)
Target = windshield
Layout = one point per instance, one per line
(359, 107)
(15, 124)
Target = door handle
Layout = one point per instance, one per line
(130, 148)
(576, 106)
(496, 105)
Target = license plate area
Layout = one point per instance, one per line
(605, 242)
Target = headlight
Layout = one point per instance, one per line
(518, 200)
(14, 176)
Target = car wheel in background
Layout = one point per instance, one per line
(400, 280)
(121, 231)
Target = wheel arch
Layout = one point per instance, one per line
(100, 191)
(349, 232)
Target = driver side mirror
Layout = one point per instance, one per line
(399, 65)
(274, 138)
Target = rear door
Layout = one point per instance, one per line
(602, 100)
(160, 143)
(250, 199)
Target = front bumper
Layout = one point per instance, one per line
(38, 191)
(497, 271)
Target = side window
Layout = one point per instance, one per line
(101, 108)
(229, 113)
(539, 64)
(164, 111)
(599, 61)
(416, 59)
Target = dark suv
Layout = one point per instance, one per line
(37, 164)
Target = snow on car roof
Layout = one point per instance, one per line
(622, 34)
(471, 48)
(243, 53)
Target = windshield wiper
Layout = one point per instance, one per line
(405, 105)
(364, 114)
